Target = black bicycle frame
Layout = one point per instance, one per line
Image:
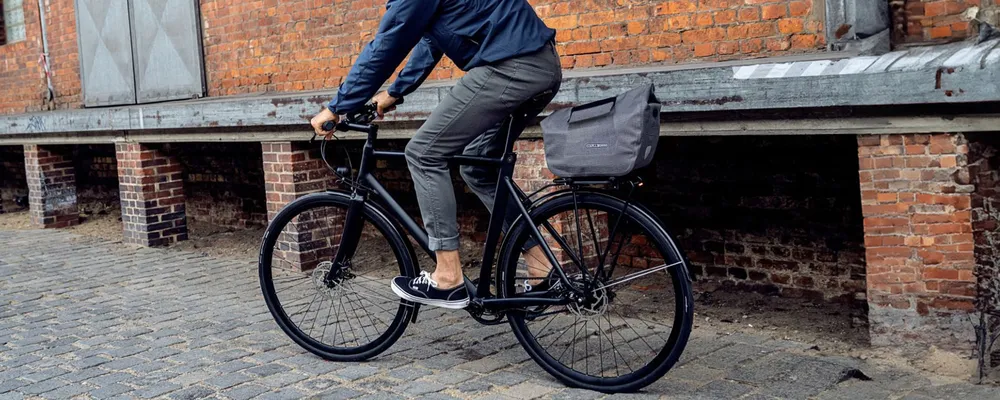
(367, 184)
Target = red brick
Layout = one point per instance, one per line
(774, 11)
(805, 41)
(790, 25)
(563, 22)
(936, 8)
(728, 48)
(724, 17)
(799, 8)
(939, 32)
(704, 50)
(749, 14)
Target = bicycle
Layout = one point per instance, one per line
(348, 244)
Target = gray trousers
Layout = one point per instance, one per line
(468, 121)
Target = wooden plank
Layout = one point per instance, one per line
(393, 131)
(956, 73)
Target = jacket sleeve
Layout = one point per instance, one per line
(422, 61)
(401, 28)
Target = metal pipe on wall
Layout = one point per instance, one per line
(44, 59)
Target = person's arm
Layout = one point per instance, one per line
(401, 28)
(422, 61)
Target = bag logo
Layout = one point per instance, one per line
(595, 145)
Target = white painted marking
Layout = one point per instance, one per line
(993, 58)
(816, 68)
(856, 65)
(961, 57)
(743, 72)
(778, 70)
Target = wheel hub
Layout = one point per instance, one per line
(337, 278)
(592, 306)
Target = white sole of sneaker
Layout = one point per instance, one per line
(454, 305)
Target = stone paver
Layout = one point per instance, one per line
(84, 319)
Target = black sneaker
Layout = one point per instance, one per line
(423, 290)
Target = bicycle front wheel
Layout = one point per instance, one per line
(632, 324)
(341, 313)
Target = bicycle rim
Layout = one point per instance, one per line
(355, 315)
(633, 327)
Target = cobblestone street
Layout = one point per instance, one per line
(80, 318)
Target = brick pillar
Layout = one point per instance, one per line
(152, 195)
(916, 199)
(51, 186)
(293, 170)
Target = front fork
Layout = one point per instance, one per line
(354, 223)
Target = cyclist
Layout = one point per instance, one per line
(509, 57)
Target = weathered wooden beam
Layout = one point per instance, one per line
(956, 73)
(391, 131)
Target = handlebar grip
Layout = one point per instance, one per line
(356, 121)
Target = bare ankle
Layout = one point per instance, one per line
(446, 282)
(448, 273)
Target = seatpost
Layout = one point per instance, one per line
(367, 152)
(514, 122)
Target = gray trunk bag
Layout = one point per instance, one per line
(610, 137)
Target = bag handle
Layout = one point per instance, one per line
(612, 100)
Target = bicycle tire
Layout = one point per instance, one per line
(681, 324)
(375, 217)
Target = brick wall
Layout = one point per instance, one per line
(754, 212)
(770, 214)
(96, 177)
(224, 183)
(22, 82)
(984, 170)
(916, 199)
(916, 21)
(303, 45)
(267, 45)
(12, 179)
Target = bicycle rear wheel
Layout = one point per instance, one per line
(353, 316)
(633, 326)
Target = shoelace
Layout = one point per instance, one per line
(424, 279)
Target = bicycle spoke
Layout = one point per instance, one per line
(306, 310)
(329, 310)
(579, 234)
(637, 334)
(586, 347)
(610, 340)
(614, 276)
(600, 344)
(361, 324)
(316, 316)
(637, 275)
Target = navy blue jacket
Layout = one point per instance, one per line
(471, 33)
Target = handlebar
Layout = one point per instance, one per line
(360, 120)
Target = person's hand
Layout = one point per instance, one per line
(323, 116)
(385, 103)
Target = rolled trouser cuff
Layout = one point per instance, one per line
(445, 244)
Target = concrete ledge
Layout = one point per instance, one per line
(955, 73)
(810, 126)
